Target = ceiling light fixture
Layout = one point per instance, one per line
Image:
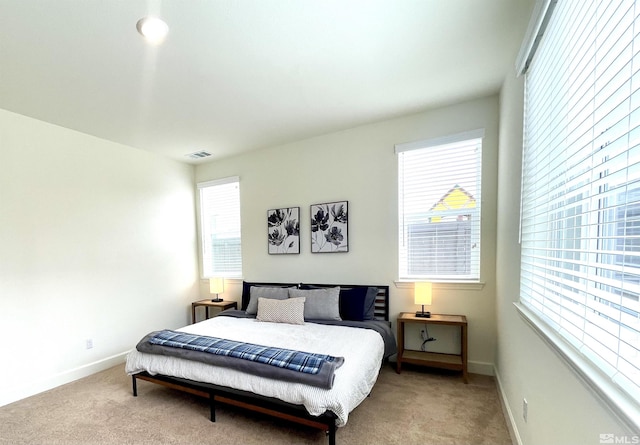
(153, 29)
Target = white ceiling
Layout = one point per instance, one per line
(237, 75)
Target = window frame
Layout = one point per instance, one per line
(599, 379)
(474, 277)
(202, 232)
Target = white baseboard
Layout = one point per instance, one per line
(480, 368)
(62, 378)
(508, 413)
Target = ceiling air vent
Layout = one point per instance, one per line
(199, 155)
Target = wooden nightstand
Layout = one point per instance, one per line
(456, 362)
(218, 305)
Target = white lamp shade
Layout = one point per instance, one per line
(422, 293)
(216, 285)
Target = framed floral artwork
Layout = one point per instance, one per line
(330, 227)
(283, 230)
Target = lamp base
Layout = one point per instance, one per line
(216, 300)
(423, 314)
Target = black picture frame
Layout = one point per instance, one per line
(283, 231)
(330, 227)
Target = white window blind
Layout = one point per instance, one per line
(439, 197)
(581, 184)
(220, 228)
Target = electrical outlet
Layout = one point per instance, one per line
(89, 343)
(525, 409)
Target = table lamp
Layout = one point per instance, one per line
(422, 295)
(216, 286)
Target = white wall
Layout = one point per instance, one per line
(359, 165)
(97, 241)
(562, 409)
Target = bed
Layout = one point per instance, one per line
(345, 325)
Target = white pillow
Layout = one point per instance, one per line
(289, 311)
(255, 292)
(320, 304)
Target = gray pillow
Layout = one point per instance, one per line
(275, 293)
(320, 304)
(370, 303)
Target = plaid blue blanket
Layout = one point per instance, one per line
(305, 362)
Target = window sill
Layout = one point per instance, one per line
(453, 285)
(622, 404)
(226, 280)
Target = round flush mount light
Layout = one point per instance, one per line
(153, 29)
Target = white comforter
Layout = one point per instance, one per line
(362, 349)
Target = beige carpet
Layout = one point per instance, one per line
(415, 407)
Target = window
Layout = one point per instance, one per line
(439, 199)
(580, 269)
(220, 228)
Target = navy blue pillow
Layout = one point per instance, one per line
(352, 303)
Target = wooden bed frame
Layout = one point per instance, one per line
(255, 402)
